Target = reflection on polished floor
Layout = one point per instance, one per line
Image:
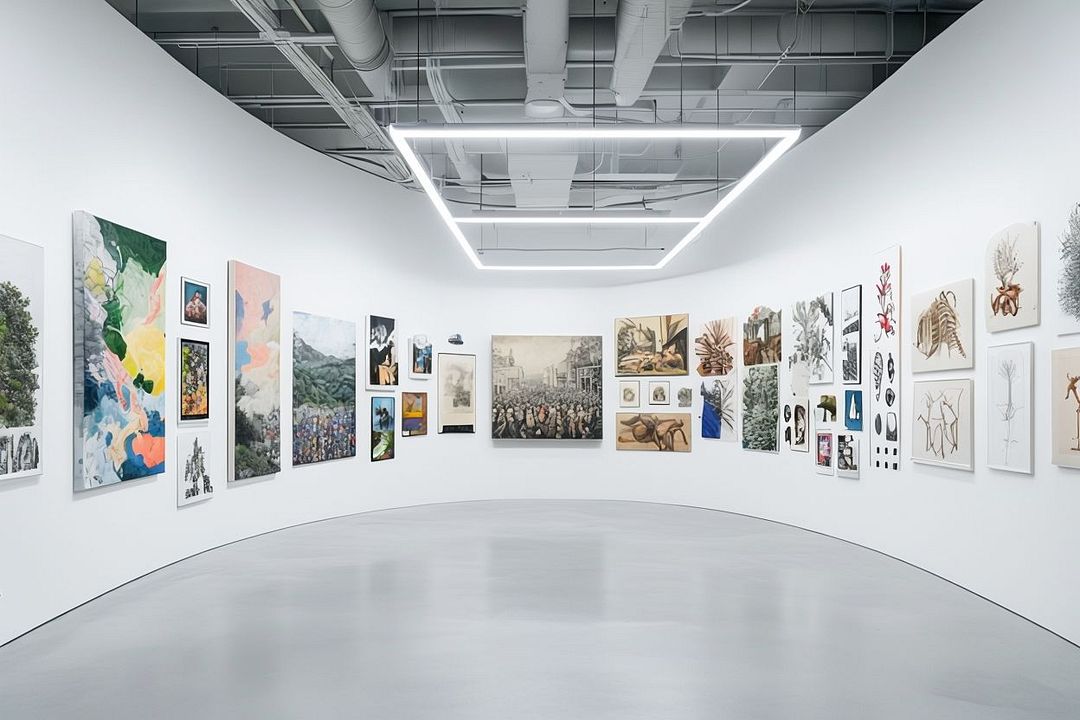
(549, 609)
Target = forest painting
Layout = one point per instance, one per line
(943, 335)
(715, 347)
(1009, 407)
(942, 429)
(851, 335)
(324, 389)
(812, 338)
(193, 483)
(119, 323)
(761, 408)
(654, 432)
(1012, 278)
(719, 406)
(22, 283)
(1065, 407)
(653, 345)
(194, 380)
(255, 360)
(884, 357)
(762, 337)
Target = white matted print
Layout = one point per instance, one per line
(1065, 406)
(796, 419)
(193, 483)
(942, 431)
(884, 358)
(851, 336)
(1011, 289)
(1009, 407)
(943, 334)
(659, 392)
(629, 393)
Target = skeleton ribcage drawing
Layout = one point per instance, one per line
(939, 326)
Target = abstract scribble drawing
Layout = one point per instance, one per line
(939, 326)
(886, 315)
(1007, 264)
(1008, 409)
(714, 347)
(941, 420)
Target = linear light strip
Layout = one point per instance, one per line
(787, 137)
(584, 220)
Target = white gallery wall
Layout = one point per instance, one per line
(974, 134)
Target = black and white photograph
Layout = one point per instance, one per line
(546, 387)
(851, 335)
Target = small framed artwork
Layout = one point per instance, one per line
(193, 483)
(824, 458)
(629, 393)
(383, 419)
(686, 397)
(457, 393)
(413, 414)
(796, 417)
(382, 364)
(847, 456)
(194, 380)
(853, 412)
(825, 410)
(851, 335)
(195, 302)
(659, 392)
(420, 358)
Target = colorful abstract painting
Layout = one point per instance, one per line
(22, 281)
(383, 419)
(255, 360)
(119, 324)
(324, 389)
(194, 380)
(413, 414)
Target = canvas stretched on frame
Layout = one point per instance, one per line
(22, 311)
(323, 389)
(653, 432)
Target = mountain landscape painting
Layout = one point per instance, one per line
(324, 389)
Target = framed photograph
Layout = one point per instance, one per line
(457, 393)
(382, 353)
(194, 380)
(659, 392)
(413, 414)
(851, 335)
(823, 459)
(383, 420)
(629, 393)
(194, 302)
(942, 432)
(420, 358)
(1010, 417)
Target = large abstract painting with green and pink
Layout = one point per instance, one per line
(119, 353)
(255, 359)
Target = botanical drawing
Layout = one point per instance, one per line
(1007, 264)
(715, 346)
(943, 415)
(885, 322)
(941, 419)
(653, 345)
(760, 409)
(812, 322)
(718, 409)
(1008, 408)
(1069, 279)
(939, 327)
(885, 362)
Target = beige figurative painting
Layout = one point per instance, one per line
(653, 345)
(762, 337)
(655, 432)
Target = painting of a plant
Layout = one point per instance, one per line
(715, 346)
(760, 409)
(1008, 409)
(812, 326)
(885, 322)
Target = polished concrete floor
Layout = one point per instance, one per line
(508, 610)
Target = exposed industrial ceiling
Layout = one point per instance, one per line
(333, 74)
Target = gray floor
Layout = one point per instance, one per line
(540, 610)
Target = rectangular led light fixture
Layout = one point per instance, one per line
(785, 137)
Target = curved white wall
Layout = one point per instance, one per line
(975, 133)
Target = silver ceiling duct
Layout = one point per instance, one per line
(361, 38)
(642, 28)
